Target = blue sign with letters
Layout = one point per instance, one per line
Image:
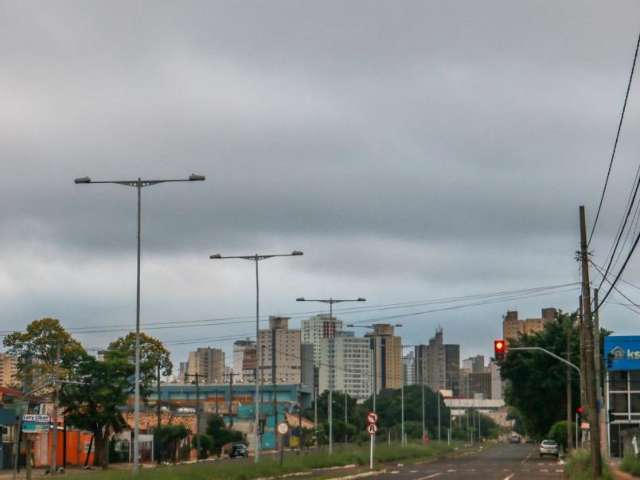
(622, 353)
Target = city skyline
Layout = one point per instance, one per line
(391, 193)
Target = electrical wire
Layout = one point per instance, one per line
(617, 138)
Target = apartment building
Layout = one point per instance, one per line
(345, 365)
(280, 352)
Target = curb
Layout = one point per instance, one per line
(619, 474)
(361, 475)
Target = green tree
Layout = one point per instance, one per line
(168, 439)
(38, 346)
(206, 445)
(220, 434)
(536, 381)
(558, 432)
(152, 353)
(94, 405)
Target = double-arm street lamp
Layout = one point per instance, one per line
(138, 184)
(256, 258)
(332, 375)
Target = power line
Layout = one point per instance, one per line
(615, 143)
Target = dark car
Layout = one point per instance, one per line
(238, 450)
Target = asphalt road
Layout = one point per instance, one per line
(501, 462)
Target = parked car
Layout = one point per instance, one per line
(515, 438)
(549, 447)
(238, 450)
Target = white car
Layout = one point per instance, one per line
(549, 447)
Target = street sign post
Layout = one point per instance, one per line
(372, 428)
(283, 428)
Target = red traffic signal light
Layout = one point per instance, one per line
(499, 349)
(580, 410)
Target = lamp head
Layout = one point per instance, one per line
(300, 299)
(82, 180)
(360, 299)
(297, 253)
(215, 256)
(196, 178)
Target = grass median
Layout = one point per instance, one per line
(270, 467)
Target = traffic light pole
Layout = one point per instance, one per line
(544, 350)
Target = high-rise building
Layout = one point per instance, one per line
(409, 368)
(345, 365)
(474, 364)
(496, 381)
(307, 372)
(512, 327)
(438, 364)
(452, 368)
(287, 358)
(318, 327)
(244, 360)
(8, 370)
(387, 349)
(420, 364)
(480, 385)
(208, 363)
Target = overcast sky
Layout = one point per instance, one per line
(413, 150)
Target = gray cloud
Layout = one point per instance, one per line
(412, 150)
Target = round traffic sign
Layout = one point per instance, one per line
(372, 428)
(372, 417)
(283, 428)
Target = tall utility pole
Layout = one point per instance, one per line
(568, 328)
(54, 418)
(158, 411)
(598, 372)
(197, 383)
(231, 375)
(257, 258)
(274, 396)
(590, 380)
(346, 418)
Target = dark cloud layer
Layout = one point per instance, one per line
(413, 150)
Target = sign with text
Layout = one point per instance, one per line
(622, 353)
(35, 423)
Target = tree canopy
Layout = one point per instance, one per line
(38, 347)
(536, 382)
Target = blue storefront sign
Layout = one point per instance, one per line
(622, 353)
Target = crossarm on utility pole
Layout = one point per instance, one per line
(544, 350)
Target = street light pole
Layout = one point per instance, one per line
(138, 184)
(256, 258)
(332, 359)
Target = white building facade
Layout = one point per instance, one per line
(345, 365)
(316, 328)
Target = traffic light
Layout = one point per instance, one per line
(499, 349)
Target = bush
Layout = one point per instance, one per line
(558, 432)
(579, 467)
(631, 464)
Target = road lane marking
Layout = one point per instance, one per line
(413, 471)
(526, 459)
(433, 475)
(509, 477)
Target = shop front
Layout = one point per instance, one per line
(622, 393)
